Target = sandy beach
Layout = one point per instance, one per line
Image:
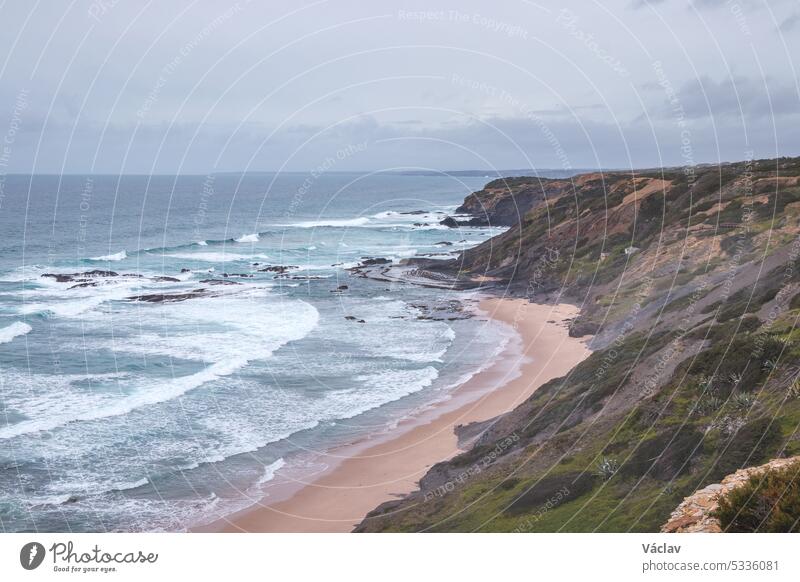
(339, 499)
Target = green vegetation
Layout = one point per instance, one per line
(675, 396)
(769, 502)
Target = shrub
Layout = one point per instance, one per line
(565, 487)
(769, 502)
(665, 456)
(748, 446)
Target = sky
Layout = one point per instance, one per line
(122, 86)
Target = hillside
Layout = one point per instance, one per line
(689, 280)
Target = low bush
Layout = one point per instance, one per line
(565, 487)
(750, 445)
(769, 502)
(665, 456)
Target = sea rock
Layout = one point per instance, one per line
(277, 268)
(70, 277)
(169, 297)
(368, 262)
(162, 279)
(300, 277)
(219, 282)
(449, 222)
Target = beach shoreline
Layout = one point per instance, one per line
(366, 475)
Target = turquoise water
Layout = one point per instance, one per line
(124, 414)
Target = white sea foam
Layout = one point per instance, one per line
(376, 390)
(248, 238)
(270, 470)
(16, 329)
(248, 331)
(61, 301)
(72, 308)
(131, 485)
(154, 393)
(202, 243)
(389, 219)
(114, 257)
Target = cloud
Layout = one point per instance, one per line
(753, 99)
(636, 4)
(790, 23)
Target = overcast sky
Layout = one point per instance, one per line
(195, 87)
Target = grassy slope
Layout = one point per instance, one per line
(695, 373)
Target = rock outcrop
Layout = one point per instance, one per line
(694, 515)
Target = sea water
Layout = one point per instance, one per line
(118, 414)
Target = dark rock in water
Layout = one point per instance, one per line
(342, 287)
(300, 277)
(169, 297)
(241, 275)
(162, 279)
(421, 224)
(185, 270)
(444, 243)
(449, 222)
(277, 268)
(415, 212)
(69, 277)
(350, 318)
(85, 284)
(72, 499)
(375, 261)
(219, 282)
(361, 321)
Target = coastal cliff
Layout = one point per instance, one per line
(688, 279)
(505, 201)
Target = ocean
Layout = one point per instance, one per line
(169, 344)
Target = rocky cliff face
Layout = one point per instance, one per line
(689, 278)
(506, 201)
(694, 513)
